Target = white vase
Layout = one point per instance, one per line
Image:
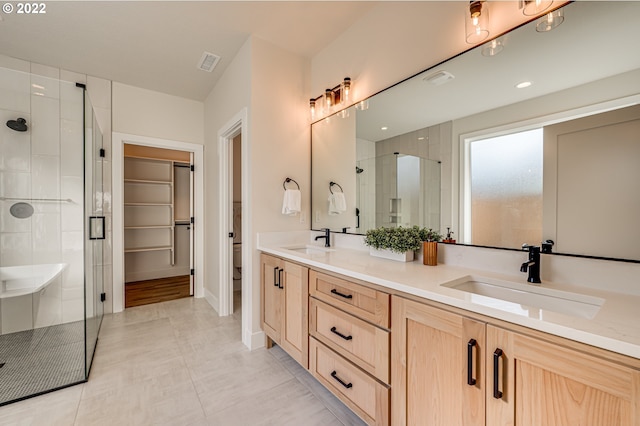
(407, 256)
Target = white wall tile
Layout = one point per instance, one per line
(45, 176)
(46, 238)
(72, 77)
(15, 249)
(8, 223)
(72, 213)
(45, 87)
(14, 90)
(14, 146)
(14, 64)
(72, 310)
(71, 148)
(15, 184)
(99, 91)
(45, 126)
(45, 71)
(71, 102)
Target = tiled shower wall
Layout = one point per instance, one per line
(47, 162)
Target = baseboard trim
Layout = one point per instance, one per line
(254, 340)
(212, 299)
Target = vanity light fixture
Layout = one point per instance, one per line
(363, 105)
(492, 48)
(324, 103)
(476, 22)
(550, 21)
(523, 84)
(534, 7)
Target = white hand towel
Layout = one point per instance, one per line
(291, 202)
(337, 203)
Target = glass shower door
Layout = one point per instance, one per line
(96, 232)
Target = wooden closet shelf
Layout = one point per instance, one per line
(148, 181)
(141, 249)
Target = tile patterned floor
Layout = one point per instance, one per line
(179, 363)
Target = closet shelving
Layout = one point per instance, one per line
(149, 206)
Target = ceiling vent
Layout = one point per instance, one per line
(438, 78)
(208, 61)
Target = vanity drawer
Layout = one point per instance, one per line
(364, 302)
(359, 341)
(359, 391)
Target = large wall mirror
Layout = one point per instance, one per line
(532, 136)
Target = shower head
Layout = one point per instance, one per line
(19, 125)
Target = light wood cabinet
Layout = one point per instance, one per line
(367, 397)
(285, 311)
(364, 302)
(540, 383)
(431, 352)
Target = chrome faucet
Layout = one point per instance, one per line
(327, 241)
(533, 264)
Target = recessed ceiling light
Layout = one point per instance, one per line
(523, 84)
(383, 128)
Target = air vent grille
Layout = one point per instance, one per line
(208, 61)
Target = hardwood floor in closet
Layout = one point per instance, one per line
(153, 291)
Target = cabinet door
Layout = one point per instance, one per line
(539, 383)
(272, 296)
(295, 327)
(429, 370)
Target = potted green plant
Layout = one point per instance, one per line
(430, 240)
(394, 243)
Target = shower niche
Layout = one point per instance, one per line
(51, 269)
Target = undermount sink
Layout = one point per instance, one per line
(526, 299)
(309, 249)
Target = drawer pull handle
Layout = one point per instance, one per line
(280, 278)
(275, 276)
(471, 381)
(335, 376)
(346, 296)
(497, 394)
(335, 331)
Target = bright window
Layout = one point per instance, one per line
(506, 189)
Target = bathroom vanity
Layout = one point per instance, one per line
(403, 343)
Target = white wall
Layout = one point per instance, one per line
(396, 40)
(144, 112)
(272, 84)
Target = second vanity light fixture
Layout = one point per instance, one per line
(325, 103)
(476, 22)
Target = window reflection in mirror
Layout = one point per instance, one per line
(505, 188)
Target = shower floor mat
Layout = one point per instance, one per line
(36, 361)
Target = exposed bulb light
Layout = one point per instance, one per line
(331, 100)
(312, 107)
(363, 105)
(523, 84)
(492, 48)
(346, 91)
(550, 21)
(534, 7)
(476, 22)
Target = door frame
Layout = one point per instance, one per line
(118, 141)
(238, 124)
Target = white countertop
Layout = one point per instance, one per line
(615, 327)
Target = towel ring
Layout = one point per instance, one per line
(287, 180)
(331, 186)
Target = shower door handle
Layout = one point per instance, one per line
(96, 228)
